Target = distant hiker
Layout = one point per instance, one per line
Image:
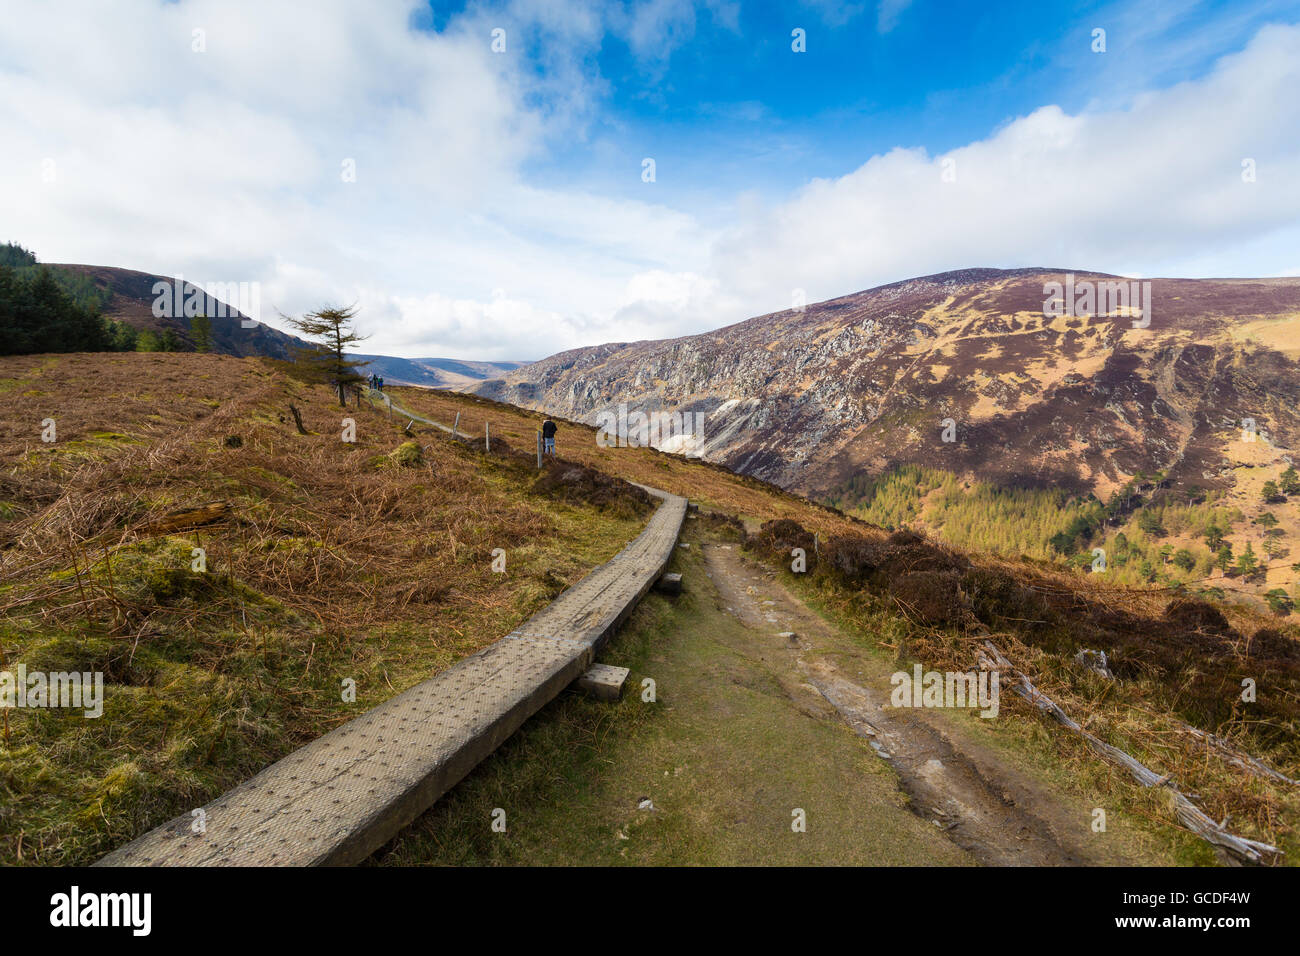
(548, 437)
(379, 382)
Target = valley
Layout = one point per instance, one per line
(1046, 417)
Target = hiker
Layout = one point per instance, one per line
(548, 437)
(379, 383)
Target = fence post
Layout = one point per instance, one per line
(487, 436)
(539, 449)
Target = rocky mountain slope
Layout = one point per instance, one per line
(1025, 397)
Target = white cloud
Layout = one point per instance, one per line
(1149, 189)
(225, 165)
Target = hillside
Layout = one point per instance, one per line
(372, 560)
(863, 382)
(324, 560)
(128, 296)
(964, 373)
(125, 295)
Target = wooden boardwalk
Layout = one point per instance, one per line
(342, 796)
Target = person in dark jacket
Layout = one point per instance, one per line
(548, 437)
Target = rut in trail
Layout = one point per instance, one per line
(997, 813)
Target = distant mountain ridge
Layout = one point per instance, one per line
(130, 297)
(437, 372)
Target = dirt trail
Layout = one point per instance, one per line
(1001, 816)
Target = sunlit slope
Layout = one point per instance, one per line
(325, 561)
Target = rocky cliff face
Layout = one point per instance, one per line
(965, 371)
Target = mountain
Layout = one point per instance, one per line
(127, 295)
(436, 372)
(868, 382)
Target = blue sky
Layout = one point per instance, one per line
(726, 96)
(497, 207)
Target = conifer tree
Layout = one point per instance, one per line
(330, 331)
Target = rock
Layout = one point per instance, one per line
(669, 584)
(1095, 661)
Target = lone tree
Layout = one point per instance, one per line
(330, 332)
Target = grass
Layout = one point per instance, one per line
(724, 754)
(366, 561)
(1137, 819)
(1169, 671)
(337, 560)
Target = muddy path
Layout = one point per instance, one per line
(975, 796)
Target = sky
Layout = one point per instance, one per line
(506, 180)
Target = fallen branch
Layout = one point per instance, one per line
(1235, 757)
(187, 519)
(1195, 819)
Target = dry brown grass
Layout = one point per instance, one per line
(712, 486)
(332, 559)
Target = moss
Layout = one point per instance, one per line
(159, 571)
(408, 454)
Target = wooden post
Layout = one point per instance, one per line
(487, 436)
(455, 425)
(539, 449)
